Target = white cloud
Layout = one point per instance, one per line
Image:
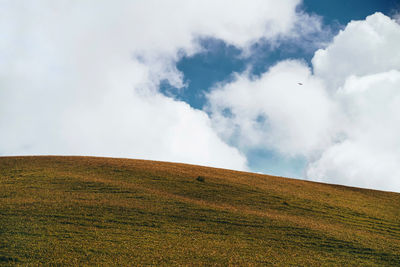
(364, 47)
(362, 65)
(81, 77)
(274, 111)
(344, 118)
(369, 155)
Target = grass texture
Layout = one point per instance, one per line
(124, 212)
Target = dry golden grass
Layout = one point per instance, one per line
(106, 211)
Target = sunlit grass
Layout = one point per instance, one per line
(83, 210)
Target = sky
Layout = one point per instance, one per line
(305, 89)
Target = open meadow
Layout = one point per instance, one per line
(106, 211)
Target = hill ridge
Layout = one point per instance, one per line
(97, 210)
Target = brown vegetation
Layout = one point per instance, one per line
(87, 210)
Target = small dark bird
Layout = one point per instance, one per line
(299, 83)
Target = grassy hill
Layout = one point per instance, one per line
(86, 210)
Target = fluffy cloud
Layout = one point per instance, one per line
(363, 47)
(363, 65)
(82, 77)
(275, 111)
(369, 154)
(344, 118)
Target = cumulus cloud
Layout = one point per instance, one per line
(344, 118)
(275, 111)
(364, 47)
(363, 64)
(82, 77)
(369, 154)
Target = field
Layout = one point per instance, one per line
(105, 211)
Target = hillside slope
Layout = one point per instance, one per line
(86, 210)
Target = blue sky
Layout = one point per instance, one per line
(219, 61)
(305, 89)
